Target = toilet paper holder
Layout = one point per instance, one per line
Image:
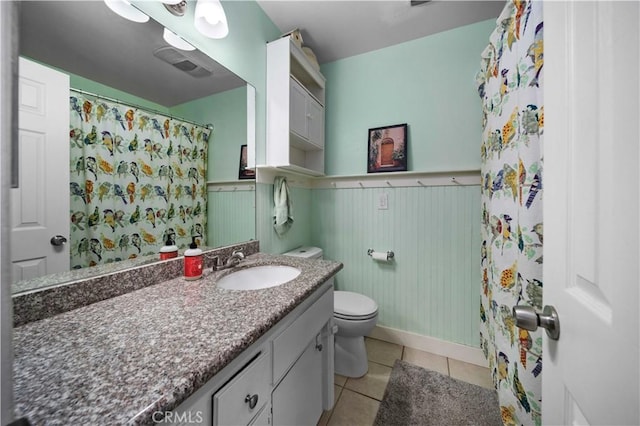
(390, 254)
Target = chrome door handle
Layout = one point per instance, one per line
(527, 318)
(58, 240)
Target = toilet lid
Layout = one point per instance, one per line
(347, 304)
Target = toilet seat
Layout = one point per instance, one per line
(355, 318)
(352, 306)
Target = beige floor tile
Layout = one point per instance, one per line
(324, 418)
(470, 373)
(339, 380)
(373, 383)
(354, 409)
(426, 360)
(382, 352)
(326, 415)
(337, 390)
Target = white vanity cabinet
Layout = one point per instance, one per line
(295, 110)
(285, 378)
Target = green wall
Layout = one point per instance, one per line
(300, 232)
(428, 83)
(433, 286)
(227, 111)
(91, 86)
(230, 214)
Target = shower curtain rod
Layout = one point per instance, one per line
(107, 98)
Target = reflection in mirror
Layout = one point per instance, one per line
(120, 68)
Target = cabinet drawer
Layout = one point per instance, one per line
(288, 346)
(231, 405)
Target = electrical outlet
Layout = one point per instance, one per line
(383, 201)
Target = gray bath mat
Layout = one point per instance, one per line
(415, 396)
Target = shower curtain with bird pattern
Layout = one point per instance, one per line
(510, 86)
(137, 181)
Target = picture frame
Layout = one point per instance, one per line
(387, 149)
(244, 172)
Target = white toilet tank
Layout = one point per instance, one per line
(306, 252)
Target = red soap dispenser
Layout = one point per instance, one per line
(193, 261)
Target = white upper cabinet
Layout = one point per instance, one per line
(306, 119)
(295, 110)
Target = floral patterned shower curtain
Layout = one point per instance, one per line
(510, 85)
(137, 180)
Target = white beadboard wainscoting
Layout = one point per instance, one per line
(230, 212)
(432, 285)
(432, 224)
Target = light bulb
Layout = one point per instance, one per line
(210, 19)
(126, 10)
(176, 41)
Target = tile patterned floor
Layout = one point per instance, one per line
(357, 400)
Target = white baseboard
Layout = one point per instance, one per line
(430, 344)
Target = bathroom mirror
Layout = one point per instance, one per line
(93, 45)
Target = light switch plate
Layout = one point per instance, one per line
(383, 201)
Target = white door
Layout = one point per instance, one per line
(591, 217)
(40, 206)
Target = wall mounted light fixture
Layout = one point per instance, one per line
(175, 7)
(210, 19)
(126, 10)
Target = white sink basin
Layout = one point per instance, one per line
(258, 277)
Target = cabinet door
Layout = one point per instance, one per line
(288, 346)
(315, 116)
(263, 418)
(298, 398)
(298, 109)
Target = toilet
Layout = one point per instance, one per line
(355, 315)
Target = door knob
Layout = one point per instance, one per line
(252, 400)
(527, 318)
(58, 240)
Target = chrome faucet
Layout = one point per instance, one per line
(233, 260)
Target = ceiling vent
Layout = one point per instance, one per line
(178, 59)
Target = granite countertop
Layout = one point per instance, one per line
(120, 360)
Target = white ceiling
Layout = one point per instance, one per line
(89, 40)
(339, 29)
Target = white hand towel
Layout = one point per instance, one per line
(282, 215)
